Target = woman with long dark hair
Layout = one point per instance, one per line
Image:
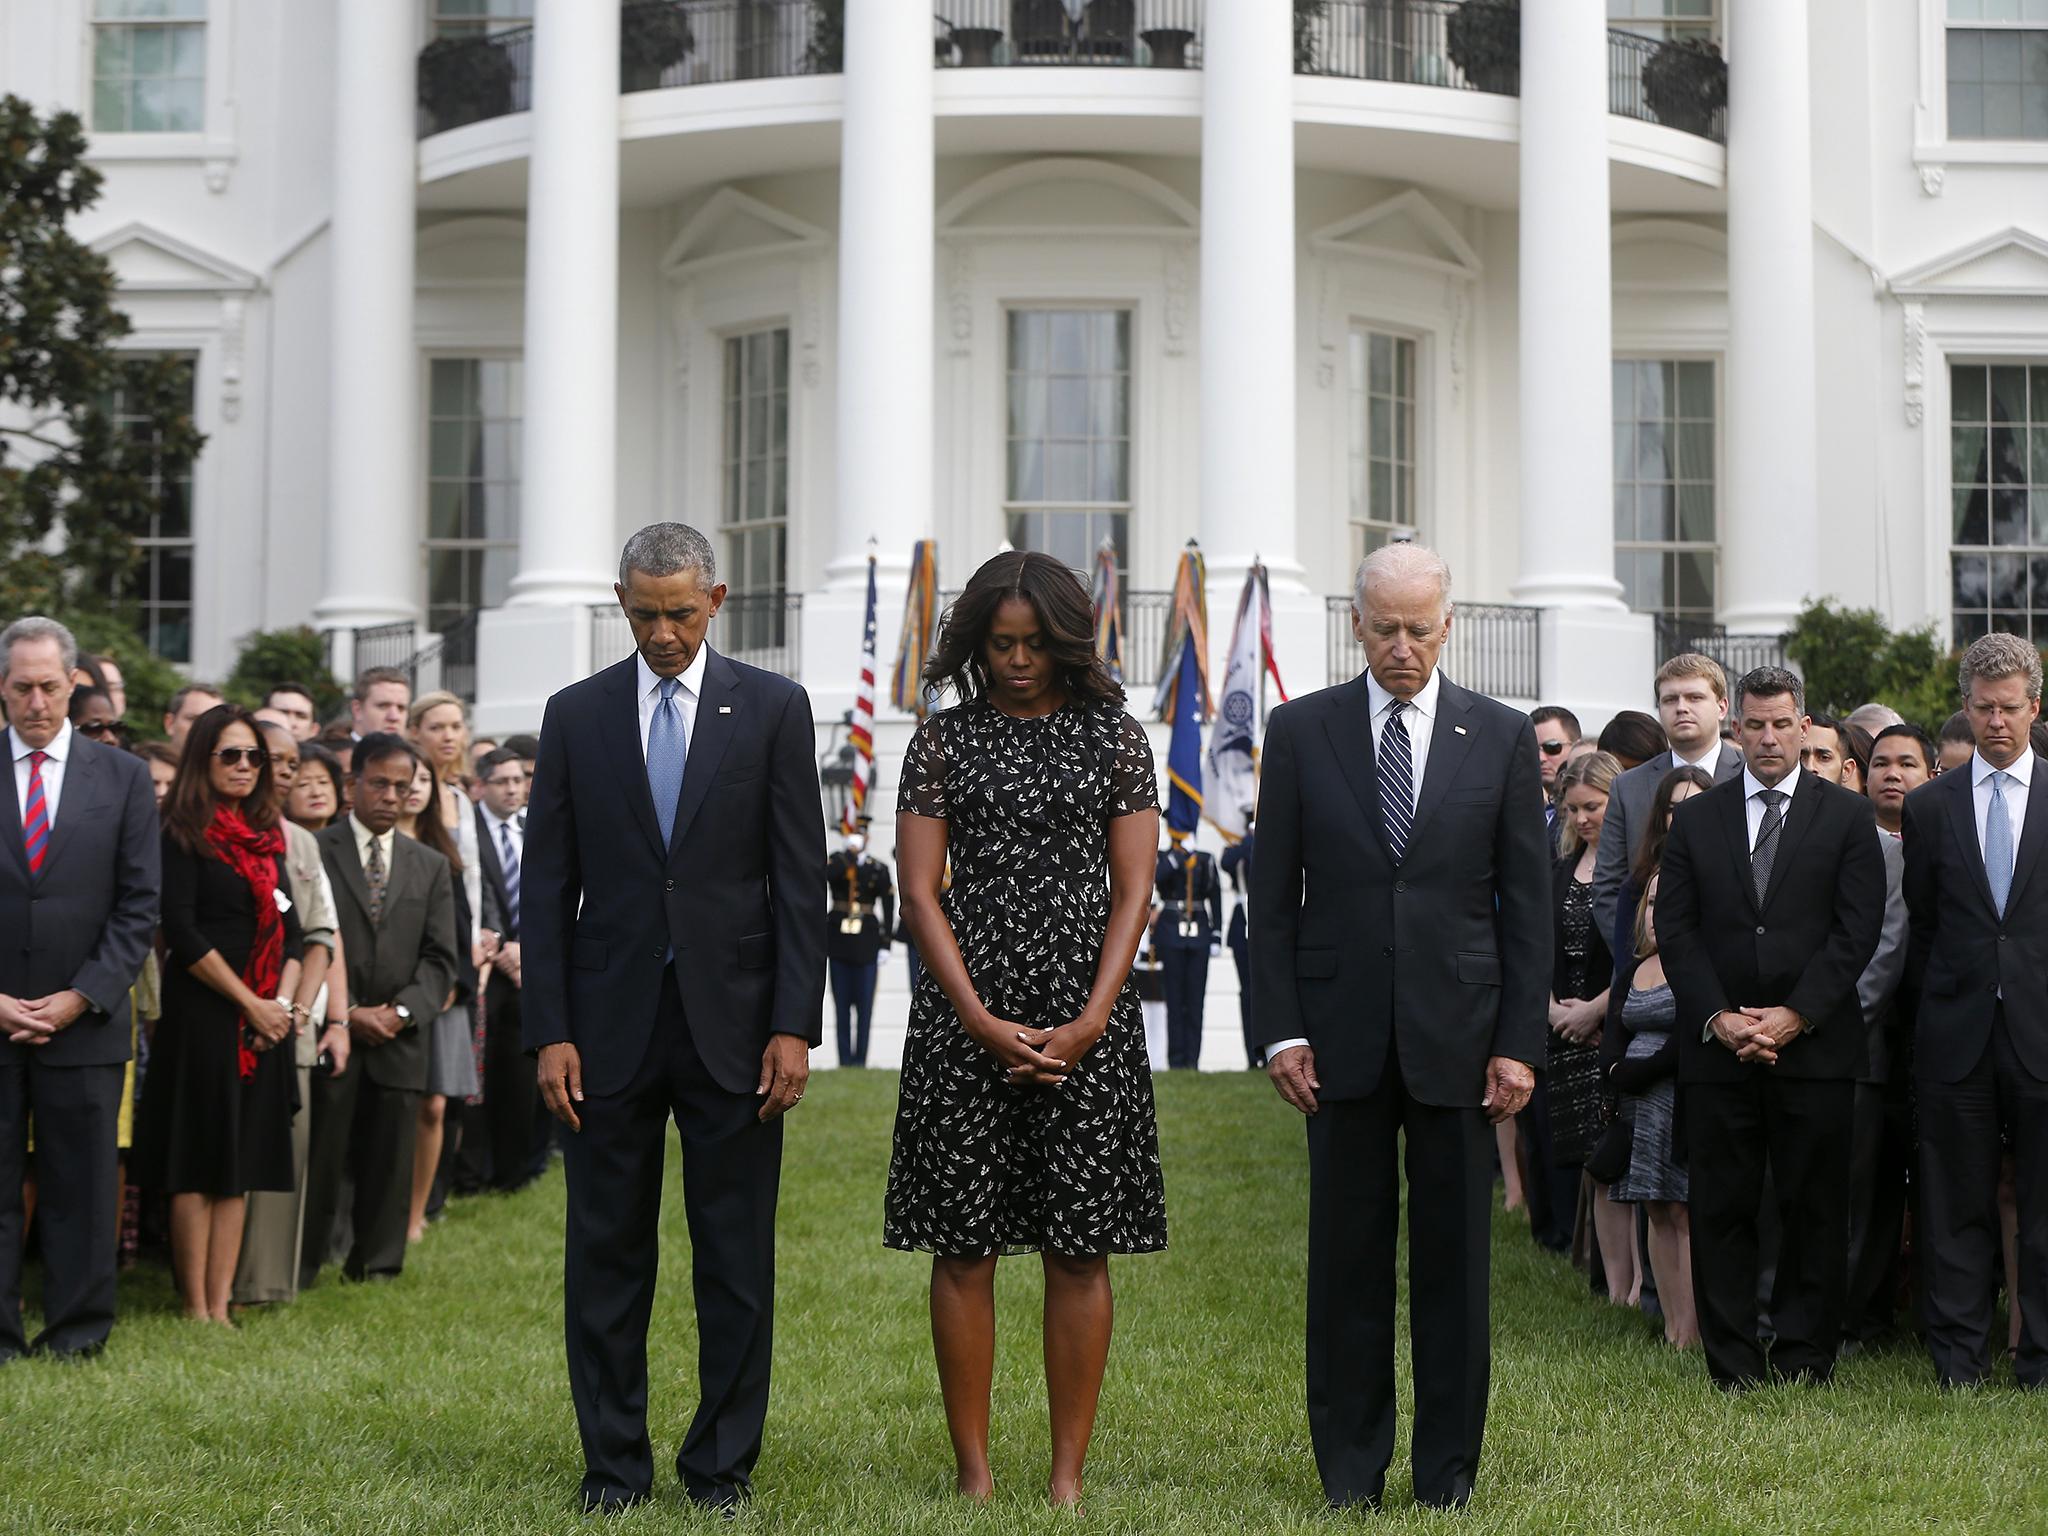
(1025, 1122)
(217, 1106)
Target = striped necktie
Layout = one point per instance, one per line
(508, 858)
(1397, 780)
(35, 815)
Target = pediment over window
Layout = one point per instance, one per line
(730, 227)
(1068, 194)
(146, 260)
(1669, 256)
(2010, 264)
(485, 252)
(1407, 228)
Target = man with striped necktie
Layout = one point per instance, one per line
(501, 1130)
(1401, 949)
(78, 900)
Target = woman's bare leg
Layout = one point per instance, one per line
(426, 1160)
(964, 1340)
(1614, 1225)
(1078, 1312)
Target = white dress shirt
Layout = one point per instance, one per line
(1709, 762)
(365, 837)
(692, 679)
(1420, 719)
(2015, 795)
(1753, 801)
(59, 750)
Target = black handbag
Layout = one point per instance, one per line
(1611, 1154)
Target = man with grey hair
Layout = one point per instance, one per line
(673, 936)
(1975, 963)
(78, 900)
(1770, 901)
(1405, 811)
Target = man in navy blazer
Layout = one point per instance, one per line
(79, 858)
(674, 954)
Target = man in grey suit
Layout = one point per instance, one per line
(78, 899)
(1692, 701)
(395, 903)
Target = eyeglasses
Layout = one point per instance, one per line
(255, 757)
(1553, 748)
(98, 727)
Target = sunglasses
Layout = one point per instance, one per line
(255, 757)
(1553, 748)
(98, 727)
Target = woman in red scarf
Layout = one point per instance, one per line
(218, 1101)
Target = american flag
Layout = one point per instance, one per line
(863, 733)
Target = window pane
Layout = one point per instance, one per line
(1067, 413)
(2008, 394)
(1966, 111)
(1655, 514)
(1972, 516)
(1112, 473)
(1696, 391)
(1066, 472)
(1381, 374)
(1027, 473)
(2009, 582)
(2008, 455)
(1967, 462)
(1968, 392)
(1069, 342)
(1695, 581)
(2008, 517)
(1696, 514)
(1027, 405)
(1696, 451)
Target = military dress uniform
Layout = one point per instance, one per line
(855, 935)
(1190, 918)
(1237, 864)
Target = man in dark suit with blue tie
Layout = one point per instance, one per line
(78, 899)
(674, 938)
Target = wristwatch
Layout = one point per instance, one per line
(404, 1015)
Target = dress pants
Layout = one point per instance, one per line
(1353, 1219)
(1186, 974)
(853, 1004)
(364, 1132)
(511, 1092)
(732, 1169)
(78, 1200)
(1957, 1236)
(1801, 1128)
(272, 1230)
(1880, 1149)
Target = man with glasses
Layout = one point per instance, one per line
(1556, 728)
(500, 1146)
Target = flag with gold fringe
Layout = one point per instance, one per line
(907, 689)
(862, 731)
(1108, 599)
(1183, 697)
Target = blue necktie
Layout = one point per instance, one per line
(1998, 843)
(508, 859)
(665, 748)
(1397, 780)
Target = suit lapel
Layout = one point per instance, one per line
(1349, 727)
(1729, 767)
(1735, 823)
(717, 713)
(618, 730)
(341, 839)
(1962, 815)
(10, 806)
(1450, 739)
(1807, 797)
(2032, 832)
(81, 779)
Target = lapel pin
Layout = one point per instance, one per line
(1459, 729)
(725, 709)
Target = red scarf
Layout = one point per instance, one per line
(253, 855)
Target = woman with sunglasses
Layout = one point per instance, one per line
(217, 1106)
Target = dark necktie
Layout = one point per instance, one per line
(35, 815)
(508, 857)
(1397, 780)
(373, 876)
(1767, 841)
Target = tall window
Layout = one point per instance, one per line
(478, 18)
(1998, 69)
(149, 66)
(1068, 483)
(473, 475)
(1664, 548)
(162, 590)
(1998, 453)
(1664, 18)
(755, 517)
(1382, 370)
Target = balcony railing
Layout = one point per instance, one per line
(1494, 649)
(1160, 34)
(762, 629)
(1737, 654)
(661, 43)
(447, 661)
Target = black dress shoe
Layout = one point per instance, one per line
(610, 1501)
(726, 1500)
(1457, 1496)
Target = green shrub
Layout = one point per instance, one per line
(273, 656)
(1849, 656)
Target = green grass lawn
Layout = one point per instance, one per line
(438, 1403)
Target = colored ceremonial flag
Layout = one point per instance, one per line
(1233, 766)
(1108, 599)
(862, 735)
(1189, 620)
(907, 689)
(1183, 698)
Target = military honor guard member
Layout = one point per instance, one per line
(1190, 919)
(856, 885)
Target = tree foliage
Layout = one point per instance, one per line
(1849, 656)
(76, 489)
(270, 657)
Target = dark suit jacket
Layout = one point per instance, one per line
(86, 920)
(1449, 950)
(1961, 953)
(407, 956)
(735, 893)
(497, 903)
(1803, 947)
(1628, 821)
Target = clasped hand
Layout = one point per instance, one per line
(1039, 1058)
(36, 1020)
(1577, 1021)
(1757, 1034)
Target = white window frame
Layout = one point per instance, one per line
(1127, 508)
(1940, 434)
(215, 144)
(1356, 528)
(1933, 149)
(1714, 361)
(424, 460)
(726, 525)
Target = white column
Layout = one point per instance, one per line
(1595, 653)
(886, 252)
(373, 500)
(1248, 328)
(1769, 514)
(568, 551)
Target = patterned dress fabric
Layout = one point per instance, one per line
(1653, 1174)
(979, 1166)
(1575, 1069)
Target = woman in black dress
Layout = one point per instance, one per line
(1026, 1122)
(217, 1111)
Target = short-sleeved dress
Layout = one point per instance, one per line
(981, 1166)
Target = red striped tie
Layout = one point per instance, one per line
(35, 817)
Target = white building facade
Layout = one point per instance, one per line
(472, 288)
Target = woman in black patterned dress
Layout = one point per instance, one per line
(1025, 1123)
